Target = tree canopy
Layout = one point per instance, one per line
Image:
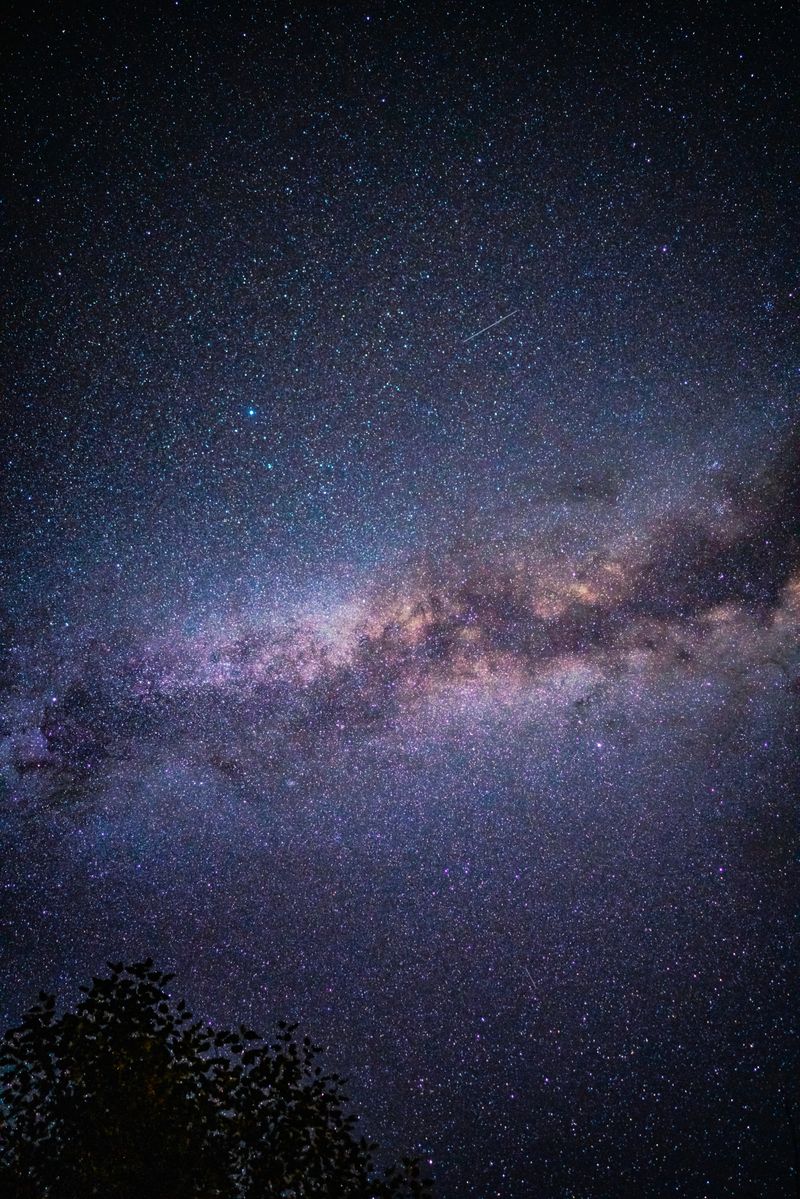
(129, 1097)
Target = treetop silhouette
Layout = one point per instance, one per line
(128, 1097)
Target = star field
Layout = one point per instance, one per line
(437, 690)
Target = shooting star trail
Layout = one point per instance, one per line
(486, 328)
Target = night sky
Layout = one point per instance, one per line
(440, 691)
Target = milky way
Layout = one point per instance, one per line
(440, 691)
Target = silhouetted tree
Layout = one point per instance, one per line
(128, 1097)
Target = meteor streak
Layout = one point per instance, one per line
(486, 328)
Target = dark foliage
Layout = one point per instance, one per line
(128, 1097)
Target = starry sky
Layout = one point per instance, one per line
(437, 690)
